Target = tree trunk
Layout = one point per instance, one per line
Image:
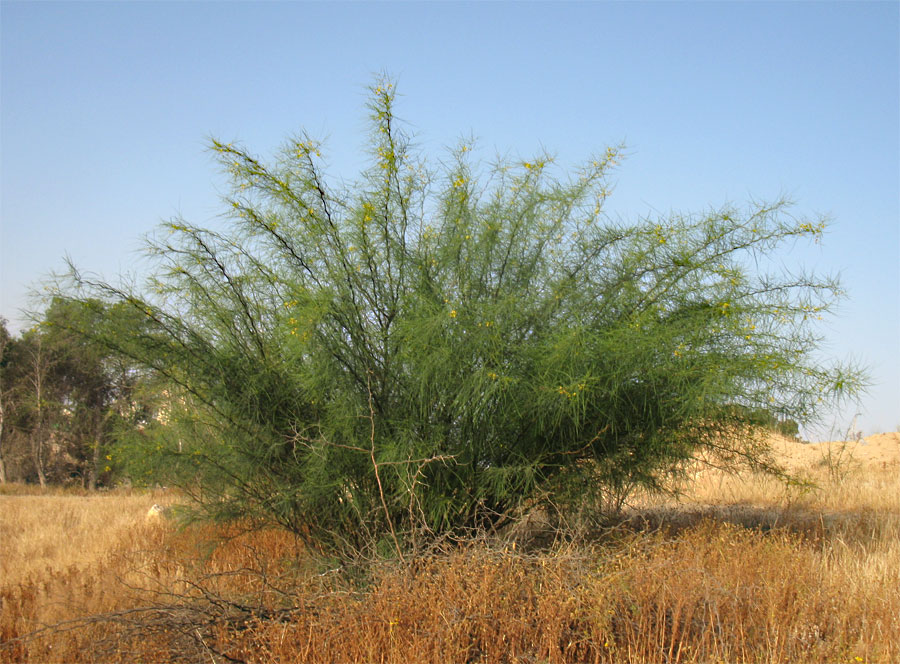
(93, 471)
(4, 342)
(37, 433)
(2, 464)
(37, 455)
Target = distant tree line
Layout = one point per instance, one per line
(67, 404)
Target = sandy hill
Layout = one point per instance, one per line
(879, 451)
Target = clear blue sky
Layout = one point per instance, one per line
(106, 108)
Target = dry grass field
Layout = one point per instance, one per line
(741, 569)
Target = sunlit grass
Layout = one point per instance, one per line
(741, 570)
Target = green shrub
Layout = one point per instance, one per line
(430, 350)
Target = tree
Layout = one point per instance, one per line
(5, 344)
(39, 400)
(94, 386)
(431, 350)
(86, 382)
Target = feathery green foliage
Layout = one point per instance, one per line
(431, 350)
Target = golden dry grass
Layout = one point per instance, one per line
(56, 531)
(741, 570)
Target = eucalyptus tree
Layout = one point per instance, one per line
(95, 384)
(438, 347)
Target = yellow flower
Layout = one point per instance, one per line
(453, 313)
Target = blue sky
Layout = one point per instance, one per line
(106, 108)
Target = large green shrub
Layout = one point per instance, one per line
(433, 349)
